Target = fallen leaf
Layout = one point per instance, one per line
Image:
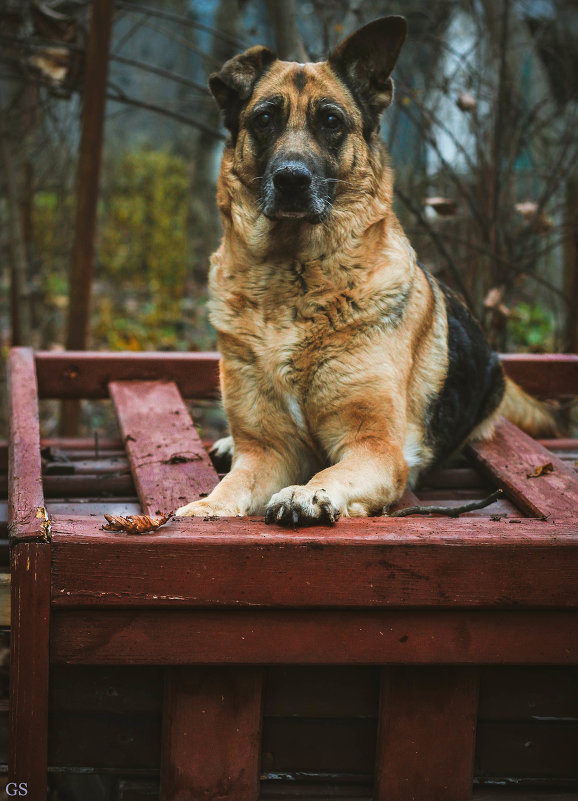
(541, 470)
(135, 524)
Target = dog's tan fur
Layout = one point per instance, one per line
(333, 340)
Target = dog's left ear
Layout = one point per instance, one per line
(233, 85)
(365, 61)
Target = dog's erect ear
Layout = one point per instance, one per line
(233, 85)
(365, 61)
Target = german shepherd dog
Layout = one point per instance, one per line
(346, 368)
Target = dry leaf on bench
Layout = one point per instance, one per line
(541, 470)
(135, 524)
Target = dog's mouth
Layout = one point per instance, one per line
(292, 191)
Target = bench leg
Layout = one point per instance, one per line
(426, 740)
(29, 643)
(211, 734)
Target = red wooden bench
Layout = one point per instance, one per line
(388, 627)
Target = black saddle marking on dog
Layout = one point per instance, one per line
(474, 385)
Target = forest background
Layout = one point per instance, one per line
(483, 135)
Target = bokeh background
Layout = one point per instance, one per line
(483, 136)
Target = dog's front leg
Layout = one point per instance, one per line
(370, 474)
(256, 474)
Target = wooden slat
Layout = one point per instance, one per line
(27, 759)
(212, 734)
(510, 456)
(426, 737)
(257, 637)
(545, 375)
(169, 464)
(387, 562)
(87, 375)
(25, 497)
(79, 374)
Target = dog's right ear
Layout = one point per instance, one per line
(233, 85)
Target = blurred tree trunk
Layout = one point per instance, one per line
(207, 148)
(571, 264)
(88, 178)
(288, 42)
(20, 289)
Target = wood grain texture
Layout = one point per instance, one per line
(25, 495)
(29, 652)
(169, 464)
(510, 456)
(426, 739)
(382, 562)
(212, 734)
(259, 637)
(80, 374)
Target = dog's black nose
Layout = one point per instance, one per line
(293, 177)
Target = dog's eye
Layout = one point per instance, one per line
(331, 120)
(263, 121)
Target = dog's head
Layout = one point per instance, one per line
(302, 132)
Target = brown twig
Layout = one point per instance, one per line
(449, 511)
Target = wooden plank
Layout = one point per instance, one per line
(387, 561)
(511, 456)
(545, 375)
(168, 461)
(427, 726)
(341, 637)
(26, 515)
(87, 374)
(78, 374)
(27, 759)
(212, 734)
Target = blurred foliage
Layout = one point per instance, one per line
(144, 221)
(531, 328)
(146, 293)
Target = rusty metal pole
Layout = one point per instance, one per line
(89, 162)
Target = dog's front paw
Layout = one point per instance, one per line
(301, 506)
(205, 509)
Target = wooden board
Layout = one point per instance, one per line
(30, 563)
(87, 375)
(26, 516)
(212, 734)
(427, 726)
(511, 457)
(546, 375)
(344, 637)
(169, 463)
(365, 562)
(81, 374)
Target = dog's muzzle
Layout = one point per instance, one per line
(291, 189)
